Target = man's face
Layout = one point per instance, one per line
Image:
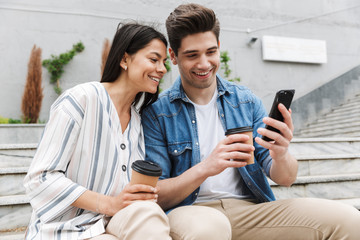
(198, 60)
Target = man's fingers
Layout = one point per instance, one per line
(287, 116)
(235, 163)
(235, 138)
(285, 130)
(239, 147)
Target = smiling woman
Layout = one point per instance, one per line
(78, 179)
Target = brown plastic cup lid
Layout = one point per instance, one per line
(147, 168)
(238, 130)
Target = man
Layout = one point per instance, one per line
(210, 195)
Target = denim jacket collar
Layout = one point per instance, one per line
(177, 91)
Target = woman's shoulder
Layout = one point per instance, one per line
(78, 96)
(87, 88)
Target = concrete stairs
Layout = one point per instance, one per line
(18, 144)
(328, 168)
(341, 121)
(15, 210)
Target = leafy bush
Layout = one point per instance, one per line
(56, 64)
(224, 59)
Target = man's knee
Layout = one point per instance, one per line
(199, 222)
(332, 217)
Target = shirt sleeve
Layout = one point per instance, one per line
(155, 144)
(262, 154)
(50, 191)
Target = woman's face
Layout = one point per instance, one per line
(146, 67)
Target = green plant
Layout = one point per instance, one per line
(168, 69)
(9, 120)
(224, 59)
(56, 64)
(14, 121)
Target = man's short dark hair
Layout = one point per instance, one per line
(189, 19)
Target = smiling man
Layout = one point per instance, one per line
(211, 196)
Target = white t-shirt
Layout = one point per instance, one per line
(211, 132)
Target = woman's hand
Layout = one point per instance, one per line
(130, 194)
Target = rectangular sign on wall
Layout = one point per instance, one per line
(293, 50)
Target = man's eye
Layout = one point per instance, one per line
(154, 60)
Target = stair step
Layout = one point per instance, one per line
(351, 103)
(15, 212)
(349, 125)
(13, 234)
(20, 133)
(341, 186)
(14, 200)
(324, 146)
(341, 113)
(11, 181)
(331, 164)
(354, 131)
(17, 155)
(333, 122)
(334, 119)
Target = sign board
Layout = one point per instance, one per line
(293, 50)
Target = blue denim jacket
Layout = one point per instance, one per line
(172, 141)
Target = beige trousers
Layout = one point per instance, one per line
(140, 220)
(290, 219)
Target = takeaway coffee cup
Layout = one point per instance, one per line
(144, 172)
(244, 130)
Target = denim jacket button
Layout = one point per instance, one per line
(175, 151)
(193, 121)
(197, 143)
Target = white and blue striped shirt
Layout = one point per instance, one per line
(82, 148)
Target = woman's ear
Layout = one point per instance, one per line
(172, 56)
(124, 61)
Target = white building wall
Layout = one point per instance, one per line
(56, 25)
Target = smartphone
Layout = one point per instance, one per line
(285, 97)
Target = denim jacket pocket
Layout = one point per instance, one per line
(179, 148)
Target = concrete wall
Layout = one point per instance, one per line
(56, 25)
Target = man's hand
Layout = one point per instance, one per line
(284, 168)
(279, 147)
(232, 147)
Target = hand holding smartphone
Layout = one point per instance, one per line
(285, 97)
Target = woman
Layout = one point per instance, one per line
(78, 179)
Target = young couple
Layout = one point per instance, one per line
(78, 181)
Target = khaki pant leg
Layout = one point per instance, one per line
(302, 218)
(140, 220)
(198, 223)
(105, 237)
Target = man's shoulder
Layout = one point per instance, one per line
(240, 92)
(162, 106)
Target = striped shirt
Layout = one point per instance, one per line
(82, 148)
